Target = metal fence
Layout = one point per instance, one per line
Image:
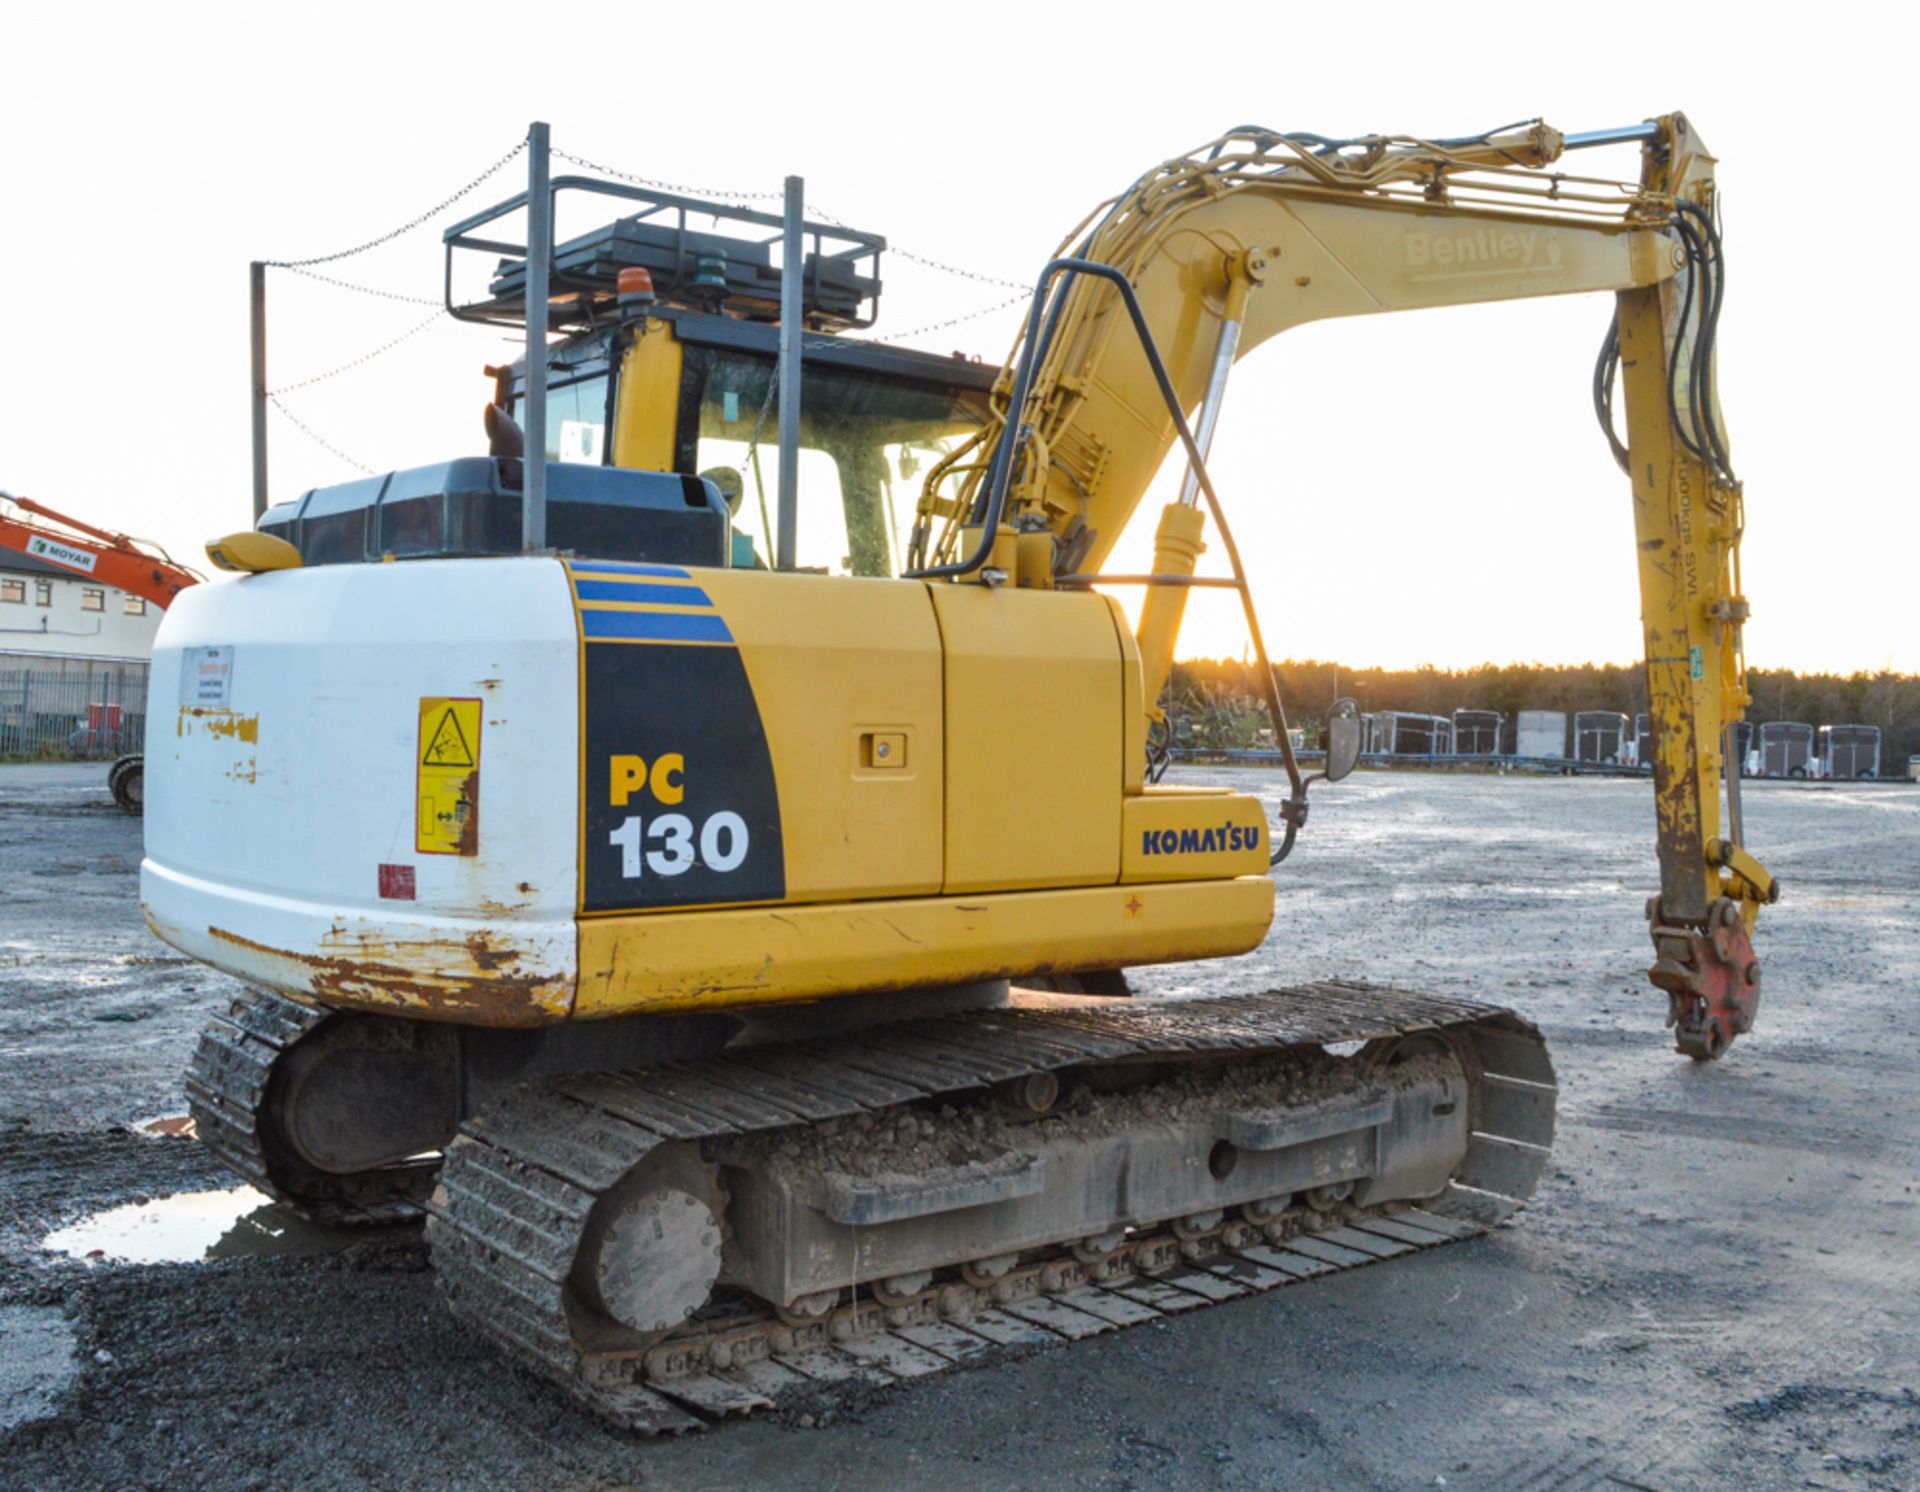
(46, 716)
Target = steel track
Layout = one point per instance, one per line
(506, 1219)
(228, 1085)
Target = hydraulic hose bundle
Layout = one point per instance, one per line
(1696, 420)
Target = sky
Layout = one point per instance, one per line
(1423, 488)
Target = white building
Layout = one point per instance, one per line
(50, 613)
(73, 661)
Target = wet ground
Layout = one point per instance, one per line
(1716, 1287)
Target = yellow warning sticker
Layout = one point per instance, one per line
(448, 777)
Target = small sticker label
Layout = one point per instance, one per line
(447, 780)
(62, 554)
(581, 442)
(1699, 669)
(206, 678)
(396, 883)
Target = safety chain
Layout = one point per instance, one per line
(665, 186)
(305, 267)
(939, 326)
(365, 357)
(965, 274)
(317, 438)
(826, 217)
(924, 261)
(411, 300)
(410, 224)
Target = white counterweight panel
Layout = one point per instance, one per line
(283, 751)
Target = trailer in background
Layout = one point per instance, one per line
(1600, 737)
(1541, 734)
(1849, 751)
(1404, 733)
(1744, 750)
(1786, 749)
(1476, 732)
(1913, 769)
(1643, 742)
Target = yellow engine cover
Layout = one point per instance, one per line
(949, 776)
(526, 790)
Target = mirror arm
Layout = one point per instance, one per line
(1293, 813)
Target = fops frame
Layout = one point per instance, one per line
(849, 248)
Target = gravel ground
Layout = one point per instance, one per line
(1716, 1286)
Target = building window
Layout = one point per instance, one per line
(14, 591)
(136, 606)
(92, 598)
(43, 593)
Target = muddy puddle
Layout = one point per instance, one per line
(192, 1227)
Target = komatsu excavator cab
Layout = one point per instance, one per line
(682, 394)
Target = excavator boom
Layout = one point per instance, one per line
(97, 553)
(1259, 231)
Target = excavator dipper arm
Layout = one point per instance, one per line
(1688, 517)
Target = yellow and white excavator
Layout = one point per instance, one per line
(716, 923)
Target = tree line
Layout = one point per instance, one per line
(1225, 687)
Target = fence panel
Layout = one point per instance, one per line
(47, 717)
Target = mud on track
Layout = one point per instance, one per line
(1718, 1286)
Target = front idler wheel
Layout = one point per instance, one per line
(650, 1256)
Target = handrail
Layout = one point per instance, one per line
(1294, 812)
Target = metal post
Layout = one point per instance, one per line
(792, 261)
(257, 297)
(533, 408)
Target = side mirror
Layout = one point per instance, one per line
(1343, 739)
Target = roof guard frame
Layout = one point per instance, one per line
(825, 244)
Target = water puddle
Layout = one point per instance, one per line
(191, 1227)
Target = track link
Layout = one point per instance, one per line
(228, 1085)
(518, 1186)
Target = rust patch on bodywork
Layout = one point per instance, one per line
(470, 823)
(473, 981)
(486, 956)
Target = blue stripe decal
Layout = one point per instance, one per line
(654, 626)
(639, 590)
(623, 567)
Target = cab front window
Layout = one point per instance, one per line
(866, 442)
